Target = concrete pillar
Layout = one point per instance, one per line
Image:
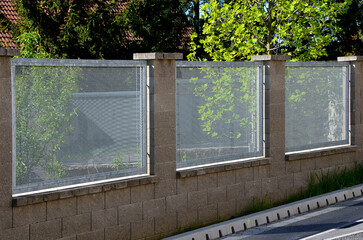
(274, 84)
(356, 101)
(162, 120)
(6, 138)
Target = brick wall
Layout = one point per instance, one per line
(169, 200)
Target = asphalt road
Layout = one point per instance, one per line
(343, 221)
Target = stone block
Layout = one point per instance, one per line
(130, 213)
(235, 191)
(143, 229)
(118, 197)
(277, 98)
(46, 230)
(277, 138)
(6, 219)
(29, 214)
(244, 175)
(207, 213)
(165, 188)
(207, 181)
(104, 218)
(278, 169)
(226, 178)
(253, 189)
(142, 193)
(271, 58)
(166, 225)
(96, 235)
(163, 102)
(301, 180)
(261, 172)
(269, 187)
(154, 208)
(286, 185)
(187, 218)
(293, 166)
(158, 56)
(227, 209)
(216, 195)
(61, 208)
(243, 203)
(162, 137)
(119, 232)
(197, 199)
(176, 203)
(323, 162)
(186, 185)
(308, 164)
(164, 120)
(68, 238)
(19, 233)
(165, 170)
(5, 67)
(76, 224)
(91, 202)
(164, 154)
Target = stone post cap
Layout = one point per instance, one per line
(9, 52)
(158, 56)
(350, 58)
(271, 58)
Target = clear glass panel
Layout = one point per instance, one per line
(77, 125)
(317, 107)
(219, 114)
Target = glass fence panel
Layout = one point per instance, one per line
(219, 112)
(317, 105)
(77, 122)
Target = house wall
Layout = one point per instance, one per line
(168, 200)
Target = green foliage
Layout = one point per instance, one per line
(158, 24)
(119, 162)
(349, 41)
(239, 29)
(30, 46)
(94, 29)
(43, 95)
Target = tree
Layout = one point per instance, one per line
(350, 40)
(158, 25)
(239, 29)
(94, 29)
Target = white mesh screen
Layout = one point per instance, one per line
(317, 106)
(219, 113)
(77, 124)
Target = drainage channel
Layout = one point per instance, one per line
(269, 216)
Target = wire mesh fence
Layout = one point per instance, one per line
(316, 105)
(219, 112)
(77, 121)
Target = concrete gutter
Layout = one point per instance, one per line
(271, 215)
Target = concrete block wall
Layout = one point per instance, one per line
(169, 200)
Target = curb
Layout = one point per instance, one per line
(271, 215)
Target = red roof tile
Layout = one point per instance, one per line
(8, 9)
